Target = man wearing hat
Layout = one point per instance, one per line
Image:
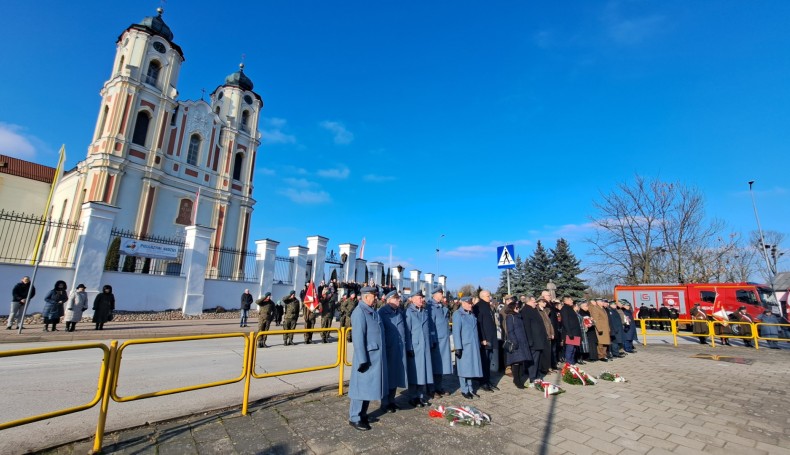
(419, 338)
(629, 328)
(486, 328)
(328, 301)
(769, 331)
(440, 353)
(78, 302)
(369, 368)
(265, 314)
(616, 325)
(467, 352)
(392, 317)
(291, 314)
(746, 329)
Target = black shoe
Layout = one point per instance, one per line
(475, 394)
(46, 329)
(8, 328)
(618, 356)
(361, 426)
(416, 402)
(368, 419)
(493, 386)
(603, 360)
(581, 362)
(392, 407)
(467, 395)
(424, 402)
(487, 388)
(440, 392)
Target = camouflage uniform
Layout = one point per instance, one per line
(291, 314)
(265, 315)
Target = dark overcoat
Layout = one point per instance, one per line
(534, 328)
(369, 347)
(616, 325)
(514, 328)
(486, 326)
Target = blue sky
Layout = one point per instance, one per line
(399, 121)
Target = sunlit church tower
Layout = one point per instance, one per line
(151, 152)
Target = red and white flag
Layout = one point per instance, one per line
(311, 298)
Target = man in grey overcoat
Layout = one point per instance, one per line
(419, 339)
(467, 351)
(440, 355)
(395, 333)
(368, 368)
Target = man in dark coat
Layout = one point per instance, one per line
(616, 326)
(18, 296)
(664, 313)
(652, 313)
(536, 334)
(246, 303)
(571, 328)
(486, 328)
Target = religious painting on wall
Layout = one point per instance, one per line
(185, 212)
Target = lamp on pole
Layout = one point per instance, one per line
(764, 249)
(437, 258)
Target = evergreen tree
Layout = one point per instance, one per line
(113, 259)
(567, 271)
(539, 271)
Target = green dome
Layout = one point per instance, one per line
(157, 25)
(239, 79)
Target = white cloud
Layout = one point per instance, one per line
(266, 171)
(298, 183)
(14, 143)
(378, 178)
(272, 132)
(342, 136)
(340, 173)
(306, 196)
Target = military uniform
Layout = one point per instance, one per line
(290, 315)
(265, 315)
(309, 321)
(348, 307)
(440, 353)
(327, 312)
(369, 367)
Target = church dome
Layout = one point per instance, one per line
(157, 25)
(239, 79)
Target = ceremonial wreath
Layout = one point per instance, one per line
(573, 375)
(463, 415)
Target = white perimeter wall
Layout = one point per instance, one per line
(11, 274)
(140, 292)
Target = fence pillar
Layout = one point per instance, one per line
(362, 267)
(198, 239)
(266, 252)
(415, 280)
(429, 283)
(442, 282)
(97, 220)
(350, 264)
(316, 250)
(299, 255)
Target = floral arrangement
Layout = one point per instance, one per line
(613, 377)
(464, 415)
(548, 388)
(573, 375)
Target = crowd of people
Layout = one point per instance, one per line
(59, 304)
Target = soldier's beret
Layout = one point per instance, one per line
(466, 299)
(369, 290)
(292, 293)
(268, 294)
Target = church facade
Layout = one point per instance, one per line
(167, 163)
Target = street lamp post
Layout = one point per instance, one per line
(437, 258)
(763, 247)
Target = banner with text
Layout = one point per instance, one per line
(143, 249)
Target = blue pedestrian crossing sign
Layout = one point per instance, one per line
(504, 256)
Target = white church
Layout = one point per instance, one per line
(153, 155)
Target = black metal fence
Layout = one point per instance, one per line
(232, 264)
(283, 270)
(119, 262)
(19, 235)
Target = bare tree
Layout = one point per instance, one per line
(467, 290)
(650, 231)
(768, 251)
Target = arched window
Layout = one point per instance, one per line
(245, 119)
(194, 150)
(104, 115)
(152, 76)
(141, 128)
(120, 64)
(237, 163)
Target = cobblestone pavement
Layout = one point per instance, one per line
(673, 403)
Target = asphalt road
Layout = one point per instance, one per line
(46, 382)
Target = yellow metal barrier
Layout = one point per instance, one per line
(691, 322)
(337, 363)
(106, 363)
(759, 337)
(735, 327)
(346, 362)
(645, 334)
(119, 356)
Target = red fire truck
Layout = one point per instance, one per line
(712, 297)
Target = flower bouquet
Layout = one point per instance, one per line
(573, 375)
(613, 377)
(464, 415)
(548, 388)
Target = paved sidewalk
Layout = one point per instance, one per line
(673, 403)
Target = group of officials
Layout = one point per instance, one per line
(409, 347)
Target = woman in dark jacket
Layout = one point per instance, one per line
(572, 329)
(53, 308)
(514, 331)
(103, 306)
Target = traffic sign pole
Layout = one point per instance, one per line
(508, 282)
